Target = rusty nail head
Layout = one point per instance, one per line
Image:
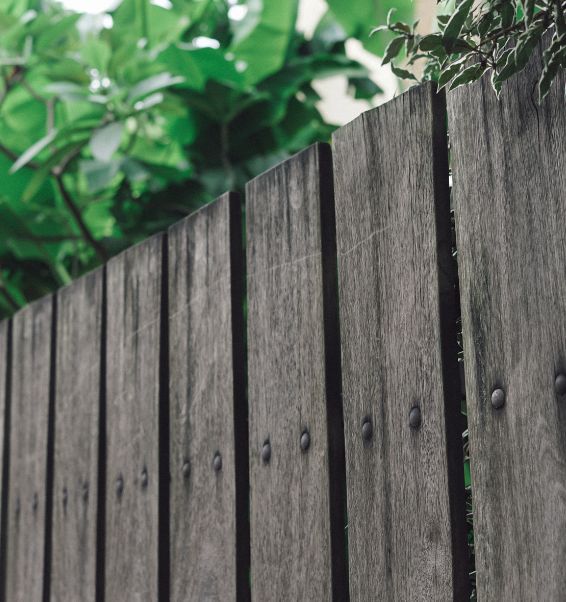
(415, 417)
(498, 398)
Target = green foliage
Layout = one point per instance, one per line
(493, 35)
(111, 129)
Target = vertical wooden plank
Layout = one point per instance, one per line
(297, 515)
(30, 400)
(134, 289)
(5, 350)
(77, 397)
(510, 201)
(208, 434)
(397, 319)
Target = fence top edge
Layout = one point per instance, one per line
(226, 198)
(153, 240)
(392, 104)
(298, 156)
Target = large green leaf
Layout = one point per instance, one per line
(272, 29)
(360, 17)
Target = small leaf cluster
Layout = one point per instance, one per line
(498, 36)
(114, 126)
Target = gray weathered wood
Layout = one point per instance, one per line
(31, 367)
(77, 395)
(291, 556)
(204, 280)
(132, 406)
(4, 421)
(509, 160)
(397, 319)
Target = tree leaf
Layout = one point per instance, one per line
(430, 42)
(457, 20)
(98, 174)
(105, 141)
(153, 84)
(468, 75)
(33, 151)
(393, 49)
(402, 73)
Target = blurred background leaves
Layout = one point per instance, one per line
(114, 125)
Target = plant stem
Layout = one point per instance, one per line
(75, 212)
(9, 298)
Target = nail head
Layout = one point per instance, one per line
(560, 384)
(305, 440)
(498, 398)
(144, 479)
(367, 430)
(186, 470)
(119, 486)
(266, 452)
(217, 462)
(415, 418)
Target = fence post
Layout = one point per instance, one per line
(510, 201)
(5, 368)
(406, 523)
(77, 429)
(134, 398)
(30, 457)
(208, 426)
(296, 444)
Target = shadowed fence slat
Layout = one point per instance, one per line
(509, 159)
(208, 431)
(5, 350)
(30, 400)
(296, 506)
(77, 394)
(134, 283)
(397, 308)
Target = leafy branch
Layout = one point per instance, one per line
(495, 35)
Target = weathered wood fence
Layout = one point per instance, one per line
(152, 450)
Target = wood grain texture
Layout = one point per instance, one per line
(397, 319)
(205, 279)
(30, 400)
(77, 397)
(134, 285)
(291, 496)
(510, 201)
(5, 351)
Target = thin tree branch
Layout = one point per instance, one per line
(75, 212)
(9, 298)
(14, 157)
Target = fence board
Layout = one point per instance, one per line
(206, 389)
(510, 201)
(405, 485)
(30, 400)
(132, 407)
(4, 442)
(77, 395)
(289, 211)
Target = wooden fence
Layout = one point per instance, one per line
(199, 422)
